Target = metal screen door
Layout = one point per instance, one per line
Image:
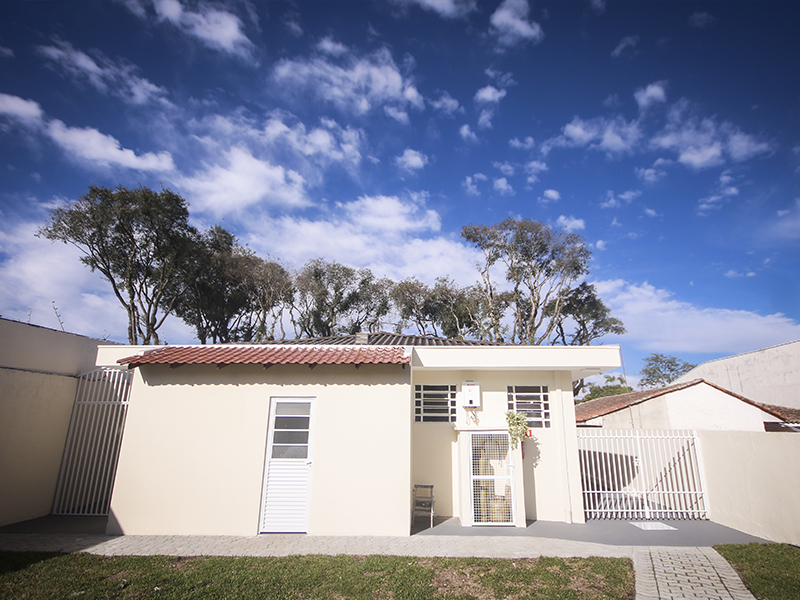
(491, 479)
(287, 468)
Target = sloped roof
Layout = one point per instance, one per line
(387, 339)
(599, 407)
(268, 355)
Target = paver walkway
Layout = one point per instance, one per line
(662, 573)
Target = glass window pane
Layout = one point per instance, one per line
(292, 408)
(290, 452)
(291, 437)
(292, 422)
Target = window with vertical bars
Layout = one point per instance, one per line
(533, 401)
(435, 403)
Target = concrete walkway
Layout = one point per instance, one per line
(662, 573)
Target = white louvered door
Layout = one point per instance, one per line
(287, 468)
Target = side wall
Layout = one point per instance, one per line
(192, 457)
(698, 407)
(37, 391)
(770, 375)
(753, 482)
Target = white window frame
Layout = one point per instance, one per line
(533, 401)
(440, 406)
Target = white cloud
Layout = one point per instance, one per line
(654, 173)
(330, 46)
(6, 52)
(489, 95)
(467, 134)
(533, 169)
(245, 182)
(682, 327)
(485, 119)
(446, 104)
(549, 196)
(703, 143)
(650, 212)
(517, 144)
(470, 185)
(733, 274)
(26, 112)
(571, 224)
(397, 114)
(502, 186)
(357, 85)
(600, 245)
(613, 200)
(119, 79)
(614, 136)
(89, 145)
(449, 9)
(215, 28)
(510, 24)
(411, 160)
(653, 93)
(326, 144)
(701, 20)
(725, 190)
(787, 225)
(391, 215)
(627, 45)
(505, 168)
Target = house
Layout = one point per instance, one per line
(770, 376)
(38, 380)
(695, 404)
(328, 436)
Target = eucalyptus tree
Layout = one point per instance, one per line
(540, 266)
(139, 240)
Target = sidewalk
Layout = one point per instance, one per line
(662, 572)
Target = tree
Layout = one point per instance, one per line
(271, 292)
(661, 369)
(541, 265)
(139, 240)
(331, 299)
(215, 297)
(612, 387)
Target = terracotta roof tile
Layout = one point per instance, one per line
(269, 355)
(598, 407)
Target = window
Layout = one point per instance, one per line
(435, 403)
(533, 400)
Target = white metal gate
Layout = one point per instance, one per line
(287, 469)
(491, 479)
(643, 474)
(89, 462)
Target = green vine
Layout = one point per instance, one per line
(517, 427)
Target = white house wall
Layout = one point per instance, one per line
(192, 457)
(549, 480)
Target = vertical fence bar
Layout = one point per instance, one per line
(645, 474)
(91, 451)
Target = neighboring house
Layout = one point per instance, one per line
(328, 436)
(696, 404)
(38, 368)
(771, 375)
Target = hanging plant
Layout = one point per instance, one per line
(517, 427)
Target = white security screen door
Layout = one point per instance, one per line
(492, 479)
(287, 468)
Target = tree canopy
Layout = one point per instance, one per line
(661, 369)
(139, 240)
(613, 386)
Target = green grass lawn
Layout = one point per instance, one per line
(770, 571)
(37, 575)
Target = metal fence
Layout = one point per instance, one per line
(641, 474)
(89, 463)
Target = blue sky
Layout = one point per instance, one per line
(667, 133)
